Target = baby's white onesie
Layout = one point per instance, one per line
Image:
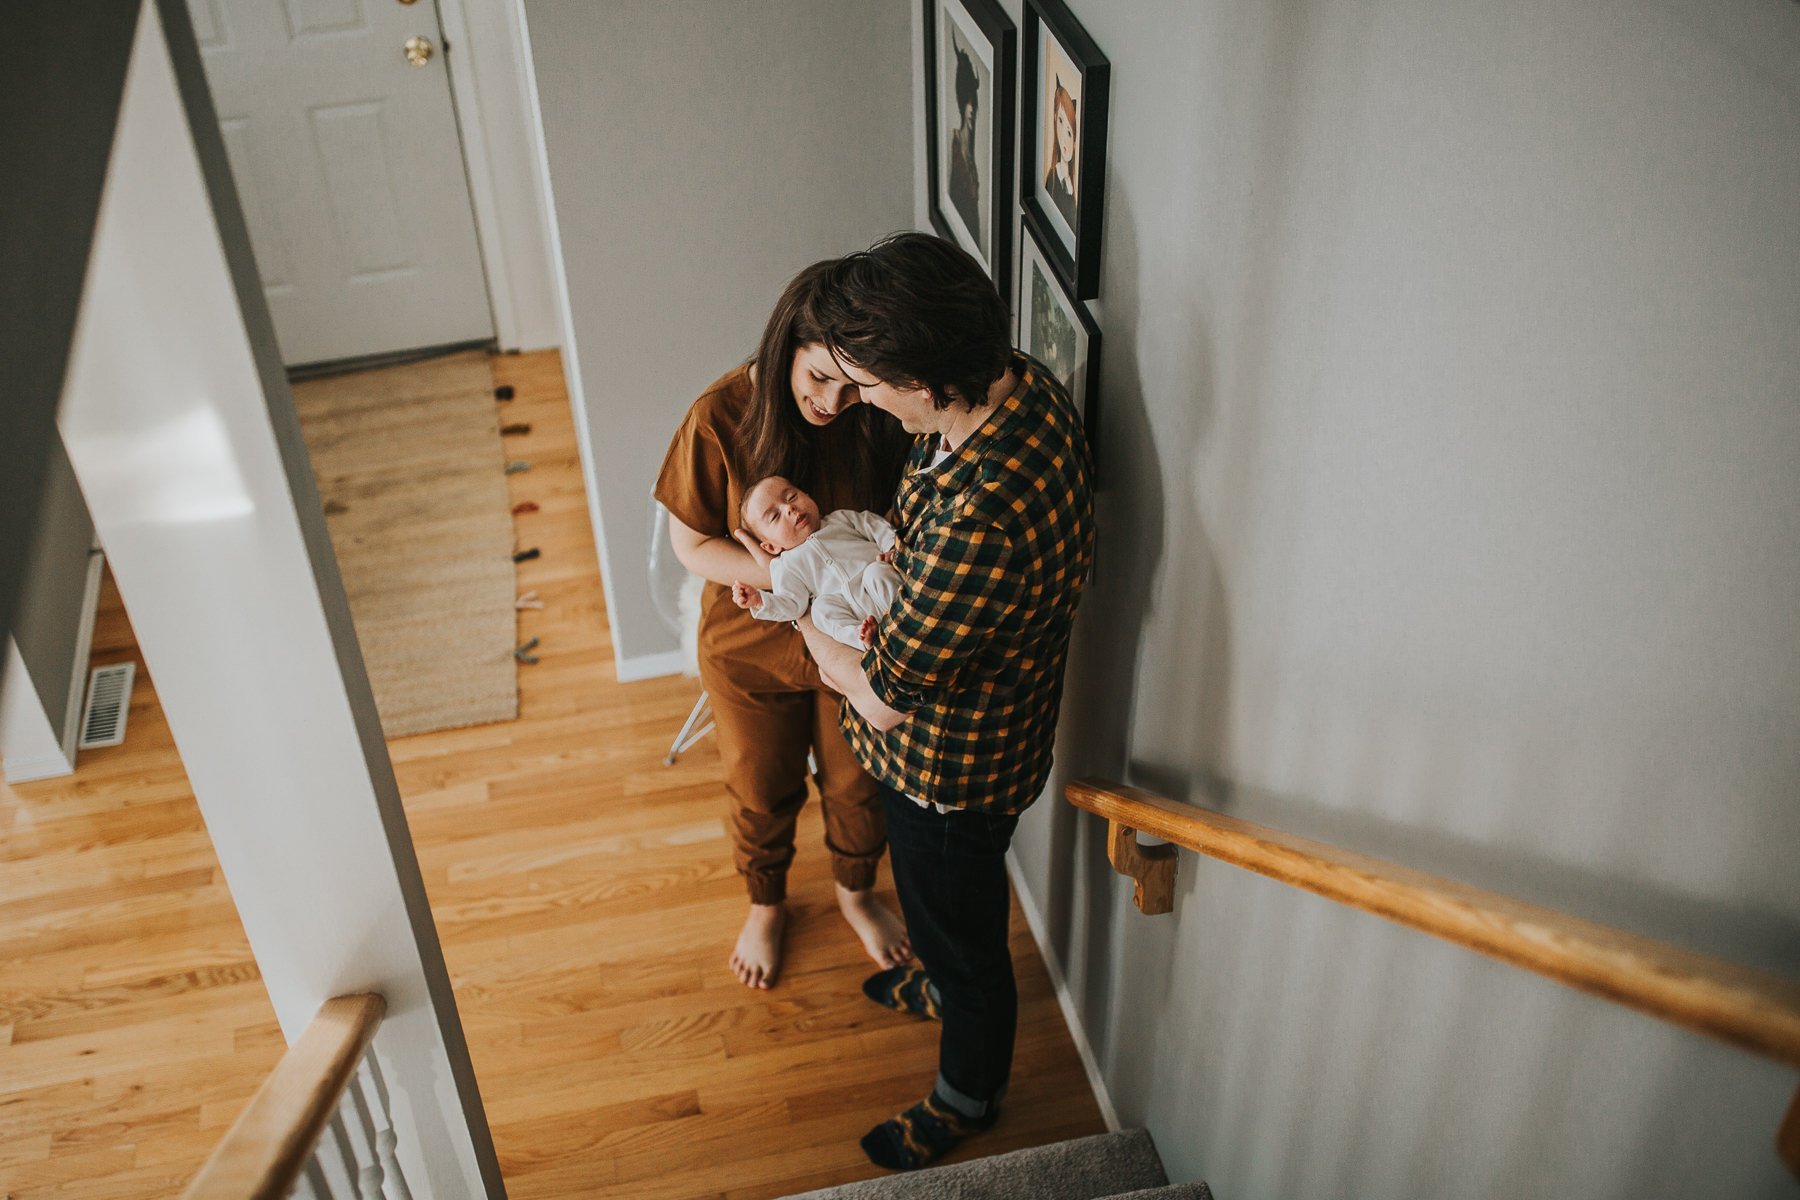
(837, 570)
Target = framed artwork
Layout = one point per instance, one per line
(1055, 329)
(970, 48)
(1062, 182)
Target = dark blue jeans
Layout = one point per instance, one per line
(950, 871)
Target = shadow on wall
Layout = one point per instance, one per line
(1136, 568)
(1157, 311)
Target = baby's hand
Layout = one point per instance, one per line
(887, 556)
(745, 596)
(866, 631)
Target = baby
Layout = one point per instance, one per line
(839, 565)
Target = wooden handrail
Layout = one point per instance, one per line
(1745, 1007)
(265, 1151)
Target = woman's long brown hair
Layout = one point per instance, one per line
(776, 440)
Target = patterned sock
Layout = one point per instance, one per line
(921, 1135)
(903, 989)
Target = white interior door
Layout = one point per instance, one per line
(349, 167)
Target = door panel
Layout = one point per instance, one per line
(266, 234)
(349, 167)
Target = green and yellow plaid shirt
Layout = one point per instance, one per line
(995, 545)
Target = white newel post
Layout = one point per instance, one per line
(179, 423)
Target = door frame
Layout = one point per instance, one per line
(484, 49)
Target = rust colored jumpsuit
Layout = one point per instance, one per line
(767, 697)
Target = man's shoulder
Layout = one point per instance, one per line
(1033, 458)
(1056, 419)
(1048, 460)
(1036, 470)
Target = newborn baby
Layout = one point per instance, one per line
(838, 565)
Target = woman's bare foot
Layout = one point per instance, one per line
(883, 934)
(756, 958)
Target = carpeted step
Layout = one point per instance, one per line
(1175, 1191)
(1090, 1168)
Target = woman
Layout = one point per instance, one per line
(790, 412)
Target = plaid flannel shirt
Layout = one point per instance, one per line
(995, 546)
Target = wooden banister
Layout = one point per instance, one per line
(265, 1151)
(1745, 1007)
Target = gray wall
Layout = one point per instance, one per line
(48, 627)
(1451, 444)
(65, 70)
(701, 152)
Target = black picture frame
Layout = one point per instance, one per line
(1076, 366)
(990, 39)
(1057, 50)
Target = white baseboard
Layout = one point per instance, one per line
(649, 666)
(1041, 935)
(22, 769)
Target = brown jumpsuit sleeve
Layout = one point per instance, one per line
(694, 484)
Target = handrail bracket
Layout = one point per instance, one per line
(1152, 868)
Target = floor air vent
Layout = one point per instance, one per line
(109, 698)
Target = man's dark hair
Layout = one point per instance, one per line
(916, 311)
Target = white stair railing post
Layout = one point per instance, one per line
(373, 1086)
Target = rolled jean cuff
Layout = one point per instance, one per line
(964, 1103)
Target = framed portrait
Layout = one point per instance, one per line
(970, 48)
(1055, 329)
(1062, 180)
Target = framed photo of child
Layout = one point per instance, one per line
(1063, 177)
(1055, 329)
(970, 48)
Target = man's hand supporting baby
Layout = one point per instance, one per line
(840, 667)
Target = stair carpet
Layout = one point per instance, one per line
(1109, 1166)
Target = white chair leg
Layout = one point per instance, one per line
(699, 723)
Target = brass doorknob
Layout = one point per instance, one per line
(418, 50)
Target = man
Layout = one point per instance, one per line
(953, 706)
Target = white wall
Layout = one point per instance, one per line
(1451, 452)
(182, 432)
(700, 153)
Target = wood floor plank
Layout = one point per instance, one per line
(586, 902)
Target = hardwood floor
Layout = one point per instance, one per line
(586, 902)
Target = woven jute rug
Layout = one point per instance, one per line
(413, 478)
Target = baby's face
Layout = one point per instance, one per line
(780, 514)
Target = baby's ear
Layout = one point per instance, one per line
(769, 548)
